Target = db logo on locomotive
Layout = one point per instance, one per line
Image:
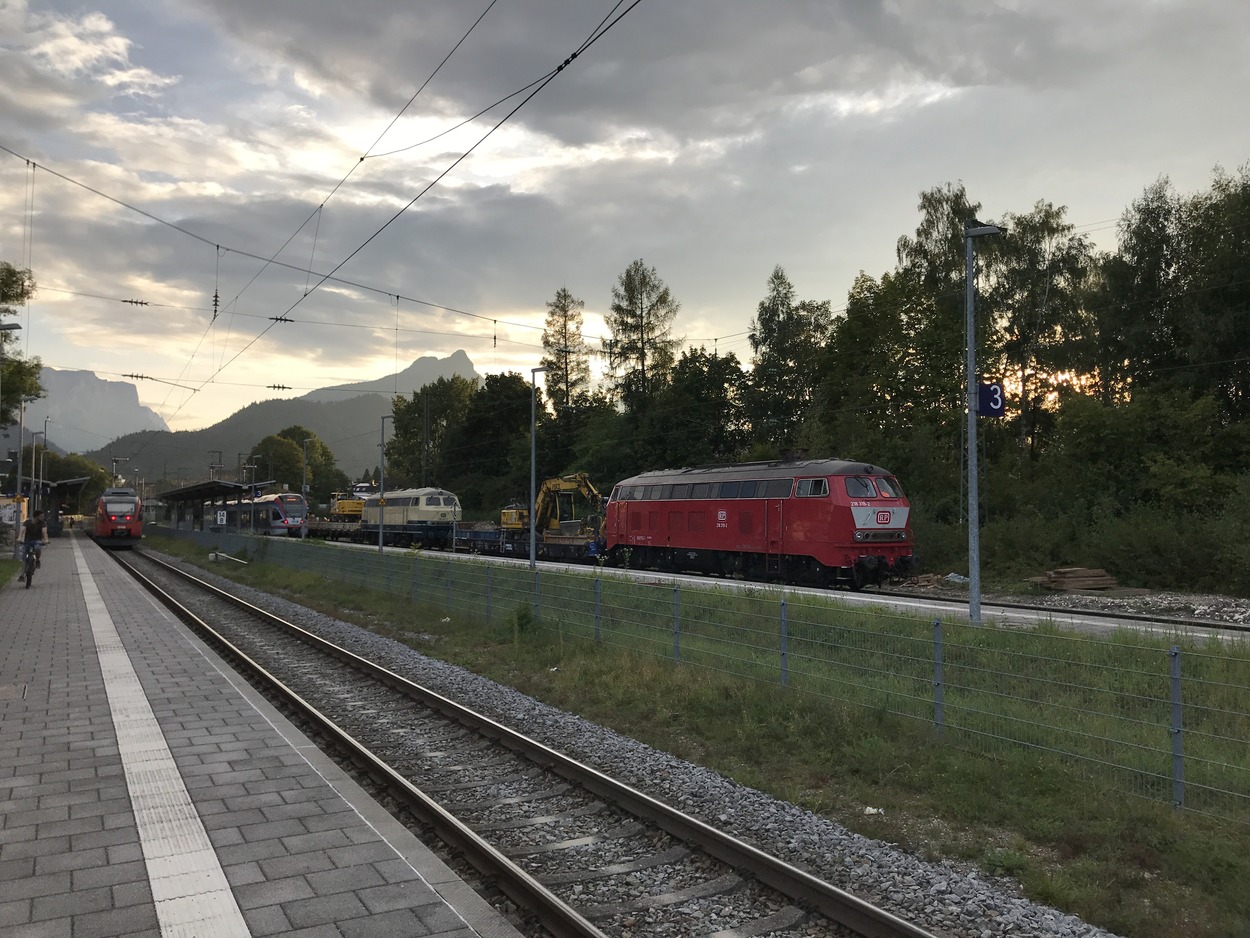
(883, 517)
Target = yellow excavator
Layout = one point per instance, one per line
(569, 513)
(346, 506)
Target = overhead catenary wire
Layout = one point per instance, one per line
(595, 35)
(599, 32)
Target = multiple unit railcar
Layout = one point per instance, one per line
(825, 522)
(284, 515)
(119, 518)
(424, 517)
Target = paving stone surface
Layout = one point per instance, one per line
(299, 848)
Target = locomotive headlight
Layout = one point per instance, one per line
(859, 535)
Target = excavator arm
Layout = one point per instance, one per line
(556, 500)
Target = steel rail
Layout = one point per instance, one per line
(555, 915)
(836, 904)
(1222, 625)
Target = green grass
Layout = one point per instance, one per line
(851, 729)
(8, 568)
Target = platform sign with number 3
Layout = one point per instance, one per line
(991, 402)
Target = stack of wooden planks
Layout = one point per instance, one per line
(1071, 579)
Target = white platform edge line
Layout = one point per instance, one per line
(162, 806)
(302, 746)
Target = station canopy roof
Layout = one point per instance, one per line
(207, 491)
(67, 487)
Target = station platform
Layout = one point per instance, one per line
(147, 790)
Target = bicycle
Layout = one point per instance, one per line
(28, 563)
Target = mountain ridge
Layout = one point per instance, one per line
(345, 417)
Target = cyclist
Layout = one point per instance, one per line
(36, 536)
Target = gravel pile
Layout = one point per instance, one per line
(949, 899)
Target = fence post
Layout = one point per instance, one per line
(598, 608)
(785, 646)
(676, 623)
(1178, 738)
(489, 571)
(939, 691)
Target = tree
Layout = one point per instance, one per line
(787, 337)
(1037, 280)
(1170, 302)
(699, 418)
(415, 451)
(605, 445)
(566, 356)
(641, 349)
(477, 456)
(1215, 290)
(324, 476)
(19, 377)
(567, 360)
(866, 390)
(934, 261)
(278, 459)
(1140, 324)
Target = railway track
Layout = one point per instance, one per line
(918, 602)
(1090, 613)
(582, 853)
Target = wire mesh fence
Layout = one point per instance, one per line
(1163, 718)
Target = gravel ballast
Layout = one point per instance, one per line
(948, 898)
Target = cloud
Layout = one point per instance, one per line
(713, 139)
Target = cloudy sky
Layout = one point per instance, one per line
(179, 144)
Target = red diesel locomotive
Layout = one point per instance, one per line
(824, 522)
(118, 518)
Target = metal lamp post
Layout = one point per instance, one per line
(42, 456)
(303, 485)
(253, 465)
(44, 434)
(382, 480)
(21, 435)
(43, 472)
(17, 492)
(533, 456)
(973, 229)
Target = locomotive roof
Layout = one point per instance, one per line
(119, 492)
(774, 469)
(394, 493)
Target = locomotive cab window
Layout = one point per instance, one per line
(812, 488)
(860, 487)
(888, 487)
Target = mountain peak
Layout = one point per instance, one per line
(423, 371)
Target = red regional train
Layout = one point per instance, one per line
(825, 522)
(118, 518)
